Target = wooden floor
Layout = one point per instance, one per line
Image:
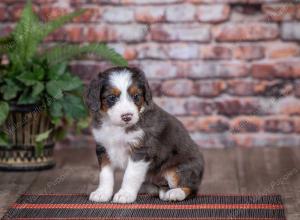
(260, 170)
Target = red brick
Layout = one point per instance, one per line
(217, 70)
(290, 31)
(142, 2)
(296, 121)
(92, 14)
(279, 124)
(279, 12)
(240, 87)
(298, 11)
(212, 124)
(159, 69)
(182, 51)
(182, 87)
(288, 106)
(180, 32)
(86, 71)
(209, 124)
(249, 32)
(2, 13)
(48, 13)
(175, 106)
(74, 34)
(99, 33)
(238, 106)
(209, 88)
(297, 88)
(266, 140)
(112, 33)
(181, 12)
(212, 52)
(118, 15)
(155, 86)
(218, 140)
(128, 52)
(269, 70)
(248, 52)
(213, 13)
(282, 50)
(246, 124)
(190, 123)
(195, 106)
(151, 51)
(148, 14)
(15, 12)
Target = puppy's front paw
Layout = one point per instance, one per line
(176, 194)
(100, 195)
(124, 196)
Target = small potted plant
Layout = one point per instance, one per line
(39, 97)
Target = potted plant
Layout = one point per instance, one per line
(39, 98)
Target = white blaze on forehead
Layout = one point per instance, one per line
(122, 80)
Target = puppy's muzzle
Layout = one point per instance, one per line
(127, 117)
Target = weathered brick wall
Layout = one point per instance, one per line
(228, 69)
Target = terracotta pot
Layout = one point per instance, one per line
(22, 125)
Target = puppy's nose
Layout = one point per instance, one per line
(127, 117)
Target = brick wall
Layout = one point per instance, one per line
(228, 69)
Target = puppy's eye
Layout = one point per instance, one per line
(111, 98)
(137, 97)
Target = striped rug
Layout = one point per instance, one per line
(77, 206)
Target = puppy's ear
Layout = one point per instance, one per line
(92, 99)
(145, 84)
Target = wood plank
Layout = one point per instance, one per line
(220, 175)
(252, 171)
(13, 184)
(283, 167)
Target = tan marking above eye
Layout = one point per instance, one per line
(134, 90)
(115, 91)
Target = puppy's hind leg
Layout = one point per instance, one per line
(174, 192)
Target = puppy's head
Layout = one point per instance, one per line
(121, 93)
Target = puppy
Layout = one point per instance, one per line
(134, 134)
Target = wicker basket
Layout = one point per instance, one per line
(22, 125)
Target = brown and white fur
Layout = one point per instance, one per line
(139, 137)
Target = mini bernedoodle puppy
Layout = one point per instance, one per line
(136, 135)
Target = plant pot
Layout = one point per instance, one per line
(22, 125)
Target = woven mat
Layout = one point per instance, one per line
(77, 206)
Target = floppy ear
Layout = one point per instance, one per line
(92, 98)
(145, 84)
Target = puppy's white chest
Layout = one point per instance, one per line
(117, 142)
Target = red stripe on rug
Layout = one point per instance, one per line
(145, 218)
(146, 206)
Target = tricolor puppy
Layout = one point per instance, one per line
(141, 138)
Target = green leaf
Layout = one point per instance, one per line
(69, 83)
(39, 148)
(37, 89)
(3, 139)
(74, 107)
(54, 88)
(4, 110)
(55, 109)
(57, 71)
(66, 52)
(9, 90)
(43, 136)
(82, 124)
(28, 78)
(25, 36)
(27, 98)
